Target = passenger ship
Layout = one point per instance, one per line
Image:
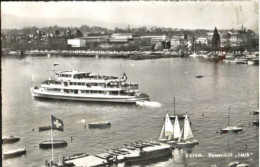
(82, 86)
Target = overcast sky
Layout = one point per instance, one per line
(186, 15)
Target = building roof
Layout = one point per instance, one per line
(118, 40)
(94, 37)
(122, 34)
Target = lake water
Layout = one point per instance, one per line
(223, 86)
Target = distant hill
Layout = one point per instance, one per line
(11, 21)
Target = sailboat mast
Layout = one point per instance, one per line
(174, 105)
(228, 115)
(52, 157)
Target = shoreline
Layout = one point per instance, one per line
(111, 54)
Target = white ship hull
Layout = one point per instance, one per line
(91, 98)
(149, 155)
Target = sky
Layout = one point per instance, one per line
(187, 15)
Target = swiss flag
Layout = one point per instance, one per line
(56, 123)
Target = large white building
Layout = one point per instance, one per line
(175, 41)
(202, 41)
(155, 38)
(122, 36)
(77, 42)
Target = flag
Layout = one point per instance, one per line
(56, 63)
(56, 123)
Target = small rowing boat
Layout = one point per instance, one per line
(10, 139)
(42, 128)
(256, 112)
(55, 143)
(99, 125)
(256, 122)
(14, 153)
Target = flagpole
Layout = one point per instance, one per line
(52, 159)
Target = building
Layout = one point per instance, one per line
(201, 41)
(235, 39)
(77, 42)
(155, 38)
(96, 39)
(122, 36)
(175, 41)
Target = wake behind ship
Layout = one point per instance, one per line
(82, 86)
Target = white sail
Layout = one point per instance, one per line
(180, 135)
(162, 135)
(168, 126)
(187, 130)
(177, 129)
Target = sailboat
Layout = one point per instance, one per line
(230, 128)
(180, 116)
(167, 130)
(186, 137)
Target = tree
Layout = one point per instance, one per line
(163, 44)
(168, 44)
(215, 38)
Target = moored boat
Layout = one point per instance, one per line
(230, 128)
(149, 152)
(180, 116)
(253, 62)
(237, 164)
(99, 125)
(43, 128)
(10, 139)
(256, 112)
(82, 86)
(14, 153)
(194, 55)
(199, 76)
(54, 144)
(75, 156)
(88, 161)
(256, 122)
(216, 56)
(241, 61)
